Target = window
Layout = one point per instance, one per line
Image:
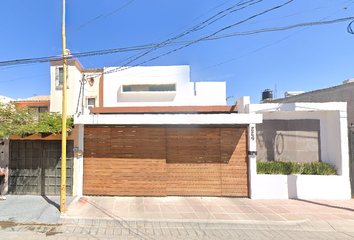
(91, 102)
(59, 74)
(39, 109)
(150, 88)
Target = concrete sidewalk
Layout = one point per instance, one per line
(208, 209)
(31, 209)
(186, 218)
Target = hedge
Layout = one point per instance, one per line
(287, 168)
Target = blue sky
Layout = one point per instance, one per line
(300, 59)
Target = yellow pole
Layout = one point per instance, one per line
(63, 129)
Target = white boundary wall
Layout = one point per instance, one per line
(334, 150)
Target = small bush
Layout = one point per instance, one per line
(287, 168)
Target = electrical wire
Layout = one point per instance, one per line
(119, 8)
(199, 26)
(53, 58)
(308, 25)
(201, 39)
(99, 17)
(131, 57)
(349, 28)
(176, 43)
(16, 79)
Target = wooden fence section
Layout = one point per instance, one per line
(234, 165)
(194, 179)
(124, 177)
(125, 142)
(160, 161)
(193, 145)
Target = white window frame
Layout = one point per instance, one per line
(57, 84)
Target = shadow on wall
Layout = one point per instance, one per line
(290, 140)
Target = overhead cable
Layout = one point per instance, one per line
(175, 43)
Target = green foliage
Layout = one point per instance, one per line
(18, 121)
(287, 168)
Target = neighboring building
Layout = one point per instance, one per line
(330, 142)
(4, 147)
(36, 104)
(4, 99)
(88, 91)
(340, 93)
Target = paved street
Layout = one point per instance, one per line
(118, 218)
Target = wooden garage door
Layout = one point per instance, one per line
(161, 161)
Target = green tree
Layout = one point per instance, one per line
(14, 120)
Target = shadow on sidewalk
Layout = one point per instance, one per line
(51, 202)
(325, 205)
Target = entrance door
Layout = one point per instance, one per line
(35, 167)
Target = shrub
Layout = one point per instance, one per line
(287, 168)
(14, 120)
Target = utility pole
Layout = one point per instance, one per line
(63, 127)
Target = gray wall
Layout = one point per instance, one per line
(289, 140)
(340, 93)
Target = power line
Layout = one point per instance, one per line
(119, 8)
(199, 26)
(100, 16)
(273, 29)
(151, 47)
(85, 24)
(126, 59)
(175, 43)
(308, 10)
(201, 39)
(199, 17)
(16, 79)
(308, 25)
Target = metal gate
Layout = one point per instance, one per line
(35, 167)
(351, 157)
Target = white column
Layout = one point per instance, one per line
(252, 157)
(80, 161)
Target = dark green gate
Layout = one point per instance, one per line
(35, 167)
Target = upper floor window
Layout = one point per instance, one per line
(59, 73)
(91, 102)
(149, 88)
(38, 109)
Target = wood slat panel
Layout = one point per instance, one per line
(193, 179)
(234, 174)
(160, 161)
(114, 176)
(193, 145)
